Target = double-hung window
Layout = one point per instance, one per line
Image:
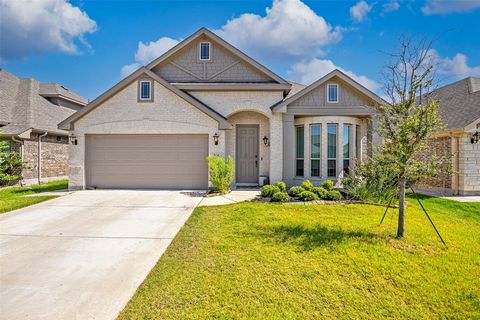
(299, 152)
(346, 147)
(332, 93)
(332, 150)
(145, 90)
(204, 51)
(315, 150)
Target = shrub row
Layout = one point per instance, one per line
(306, 192)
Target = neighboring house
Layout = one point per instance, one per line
(29, 114)
(459, 107)
(155, 128)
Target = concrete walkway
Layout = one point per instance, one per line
(454, 198)
(83, 255)
(233, 197)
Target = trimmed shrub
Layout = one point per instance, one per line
(221, 172)
(334, 195)
(280, 197)
(268, 190)
(307, 185)
(295, 191)
(281, 185)
(320, 192)
(328, 185)
(11, 166)
(308, 196)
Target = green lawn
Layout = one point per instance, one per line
(12, 198)
(273, 261)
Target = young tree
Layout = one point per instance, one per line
(407, 122)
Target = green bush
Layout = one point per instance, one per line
(221, 172)
(268, 190)
(295, 191)
(281, 185)
(308, 196)
(328, 185)
(320, 192)
(371, 181)
(280, 197)
(334, 195)
(307, 185)
(11, 166)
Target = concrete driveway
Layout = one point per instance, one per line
(82, 256)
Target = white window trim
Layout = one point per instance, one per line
(140, 93)
(336, 149)
(296, 146)
(350, 149)
(209, 51)
(338, 92)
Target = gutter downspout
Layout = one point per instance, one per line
(21, 142)
(39, 156)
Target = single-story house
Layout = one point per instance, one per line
(29, 114)
(459, 107)
(156, 127)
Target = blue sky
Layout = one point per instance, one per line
(85, 44)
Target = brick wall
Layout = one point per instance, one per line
(441, 146)
(54, 156)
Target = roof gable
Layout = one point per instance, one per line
(351, 94)
(67, 124)
(228, 64)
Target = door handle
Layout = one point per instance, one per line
(256, 163)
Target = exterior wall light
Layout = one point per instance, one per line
(265, 141)
(73, 139)
(475, 137)
(215, 138)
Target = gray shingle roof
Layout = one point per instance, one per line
(459, 102)
(296, 87)
(56, 90)
(23, 108)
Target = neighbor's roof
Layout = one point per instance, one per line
(54, 90)
(23, 108)
(459, 102)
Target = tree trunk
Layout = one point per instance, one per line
(401, 209)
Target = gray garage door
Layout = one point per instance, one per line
(147, 161)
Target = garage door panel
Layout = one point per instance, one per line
(147, 161)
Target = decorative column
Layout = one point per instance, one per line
(276, 147)
(288, 148)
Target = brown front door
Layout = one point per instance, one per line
(247, 154)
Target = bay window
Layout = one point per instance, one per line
(332, 150)
(315, 150)
(299, 152)
(346, 147)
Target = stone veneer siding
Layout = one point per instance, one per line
(468, 166)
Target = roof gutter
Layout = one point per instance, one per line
(39, 156)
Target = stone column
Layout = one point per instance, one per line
(288, 148)
(276, 147)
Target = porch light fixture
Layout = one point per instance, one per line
(475, 137)
(215, 138)
(265, 141)
(73, 139)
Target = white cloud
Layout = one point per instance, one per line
(309, 71)
(453, 68)
(432, 7)
(289, 28)
(31, 27)
(390, 7)
(360, 11)
(147, 52)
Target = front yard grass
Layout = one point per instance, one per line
(274, 261)
(12, 198)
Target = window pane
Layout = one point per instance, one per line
(332, 141)
(332, 92)
(299, 145)
(346, 142)
(358, 140)
(315, 170)
(315, 141)
(299, 172)
(346, 165)
(205, 51)
(145, 90)
(332, 168)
